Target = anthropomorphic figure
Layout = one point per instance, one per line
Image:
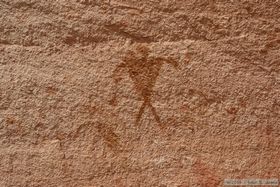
(143, 71)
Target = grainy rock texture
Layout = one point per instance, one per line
(138, 93)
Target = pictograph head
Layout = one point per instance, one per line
(142, 49)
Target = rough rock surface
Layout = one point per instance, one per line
(138, 93)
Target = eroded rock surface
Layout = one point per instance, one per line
(138, 93)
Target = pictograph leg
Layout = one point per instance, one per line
(140, 113)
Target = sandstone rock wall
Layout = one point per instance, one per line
(138, 93)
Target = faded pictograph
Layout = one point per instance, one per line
(205, 175)
(98, 131)
(111, 139)
(143, 70)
